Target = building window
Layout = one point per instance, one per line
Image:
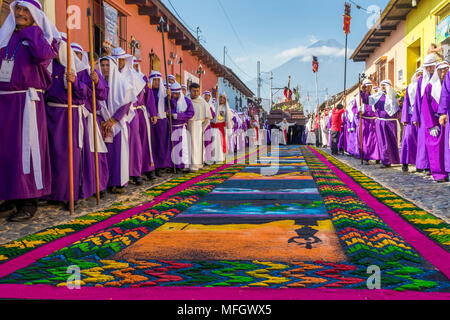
(99, 28)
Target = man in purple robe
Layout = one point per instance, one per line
(88, 179)
(146, 112)
(160, 132)
(444, 112)
(409, 139)
(116, 126)
(352, 147)
(28, 43)
(386, 107)
(422, 160)
(434, 134)
(369, 141)
(182, 111)
(57, 120)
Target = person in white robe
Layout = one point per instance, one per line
(284, 128)
(197, 127)
(222, 123)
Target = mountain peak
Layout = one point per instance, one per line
(332, 43)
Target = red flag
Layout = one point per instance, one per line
(315, 64)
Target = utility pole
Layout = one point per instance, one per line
(271, 86)
(224, 54)
(259, 80)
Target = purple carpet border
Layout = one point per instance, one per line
(21, 291)
(432, 252)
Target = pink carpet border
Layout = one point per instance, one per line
(32, 256)
(40, 292)
(432, 252)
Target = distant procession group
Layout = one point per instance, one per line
(376, 114)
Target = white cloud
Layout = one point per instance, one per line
(313, 39)
(306, 53)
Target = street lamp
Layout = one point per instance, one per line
(200, 72)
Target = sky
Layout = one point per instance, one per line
(272, 32)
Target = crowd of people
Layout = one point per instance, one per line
(145, 127)
(414, 131)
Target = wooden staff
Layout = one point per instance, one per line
(162, 28)
(360, 122)
(94, 104)
(69, 105)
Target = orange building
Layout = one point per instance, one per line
(138, 20)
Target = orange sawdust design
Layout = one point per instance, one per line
(265, 241)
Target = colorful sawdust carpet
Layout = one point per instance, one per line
(291, 220)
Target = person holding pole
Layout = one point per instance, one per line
(409, 139)
(365, 126)
(182, 111)
(160, 132)
(336, 125)
(56, 99)
(92, 79)
(146, 112)
(385, 104)
(25, 170)
(115, 129)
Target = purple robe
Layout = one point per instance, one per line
(57, 121)
(268, 133)
(409, 139)
(370, 144)
(351, 136)
(30, 59)
(88, 179)
(444, 108)
(178, 126)
(161, 144)
(434, 145)
(386, 131)
(422, 161)
(208, 138)
(148, 101)
(115, 150)
(342, 144)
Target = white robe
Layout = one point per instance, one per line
(217, 151)
(284, 126)
(196, 128)
(324, 130)
(311, 136)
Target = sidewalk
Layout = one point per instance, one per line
(418, 188)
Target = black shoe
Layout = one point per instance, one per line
(419, 170)
(158, 173)
(137, 181)
(150, 175)
(405, 168)
(384, 166)
(442, 180)
(428, 172)
(7, 206)
(26, 209)
(378, 161)
(102, 194)
(118, 190)
(67, 206)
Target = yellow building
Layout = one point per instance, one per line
(421, 30)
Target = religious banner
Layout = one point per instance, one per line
(347, 18)
(111, 26)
